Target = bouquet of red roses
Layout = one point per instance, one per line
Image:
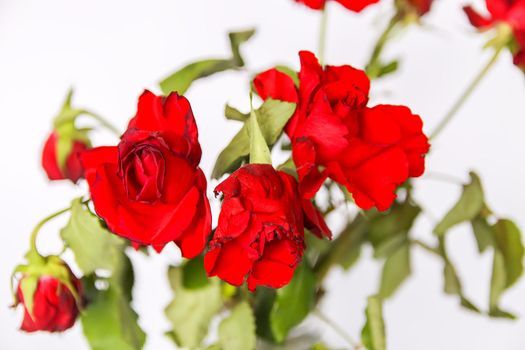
(254, 276)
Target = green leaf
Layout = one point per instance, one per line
(94, 246)
(110, 323)
(191, 310)
(236, 39)
(237, 331)
(181, 80)
(259, 151)
(232, 113)
(272, 116)
(467, 208)
(373, 333)
(194, 275)
(395, 270)
(483, 233)
(293, 302)
(289, 72)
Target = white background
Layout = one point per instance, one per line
(111, 50)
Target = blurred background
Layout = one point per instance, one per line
(111, 50)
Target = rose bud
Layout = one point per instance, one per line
(150, 189)
(371, 151)
(419, 7)
(50, 304)
(60, 157)
(353, 5)
(260, 233)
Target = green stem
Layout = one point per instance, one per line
(353, 344)
(322, 34)
(104, 123)
(426, 247)
(466, 94)
(374, 64)
(39, 226)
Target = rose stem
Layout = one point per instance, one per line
(320, 315)
(104, 123)
(372, 66)
(322, 34)
(466, 94)
(39, 226)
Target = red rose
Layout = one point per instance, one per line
(420, 6)
(519, 56)
(150, 189)
(511, 12)
(354, 5)
(72, 168)
(334, 134)
(260, 234)
(54, 307)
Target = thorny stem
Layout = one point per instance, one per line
(466, 94)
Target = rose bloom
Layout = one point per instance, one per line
(54, 306)
(353, 5)
(150, 189)
(72, 169)
(519, 56)
(260, 234)
(371, 151)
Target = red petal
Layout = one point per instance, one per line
(229, 262)
(314, 220)
(476, 19)
(356, 5)
(276, 85)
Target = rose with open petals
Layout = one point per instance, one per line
(71, 168)
(371, 151)
(260, 235)
(54, 307)
(149, 189)
(353, 5)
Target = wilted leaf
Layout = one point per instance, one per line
(483, 233)
(236, 39)
(191, 310)
(237, 331)
(232, 113)
(94, 246)
(507, 267)
(467, 208)
(395, 270)
(293, 302)
(373, 333)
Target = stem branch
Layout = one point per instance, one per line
(374, 64)
(319, 314)
(466, 94)
(104, 123)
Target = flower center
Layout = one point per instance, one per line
(143, 171)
